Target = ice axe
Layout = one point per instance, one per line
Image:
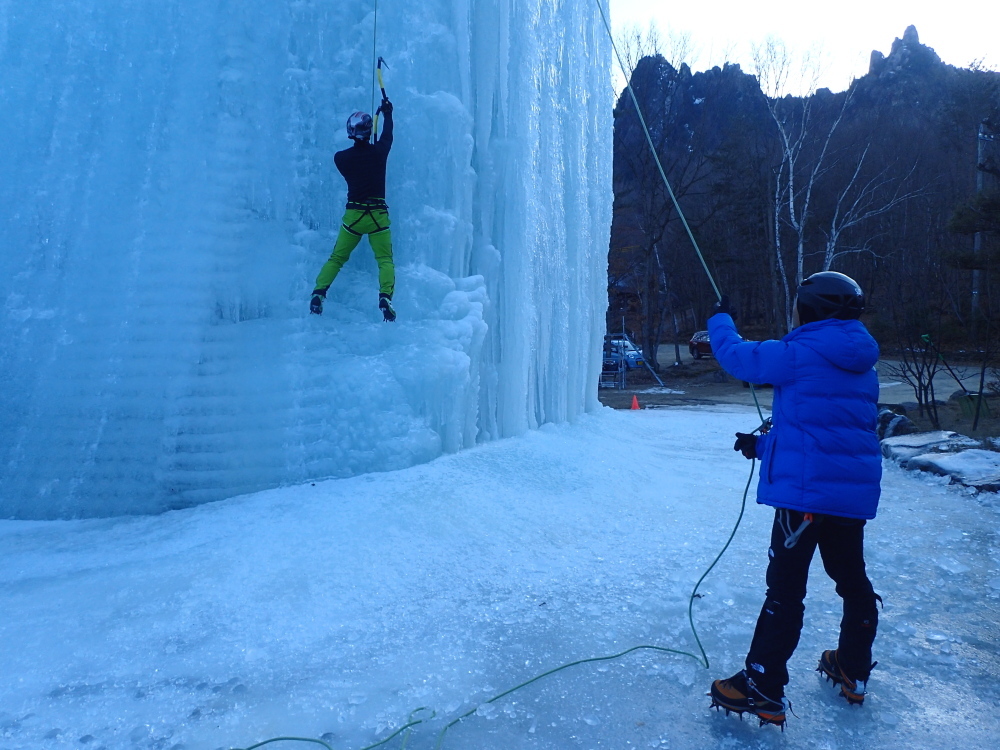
(381, 86)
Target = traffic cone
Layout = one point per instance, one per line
(635, 401)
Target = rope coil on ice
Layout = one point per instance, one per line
(701, 659)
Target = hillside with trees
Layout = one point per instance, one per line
(894, 182)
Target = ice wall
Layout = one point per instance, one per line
(168, 198)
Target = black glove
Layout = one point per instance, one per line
(722, 306)
(746, 444)
(385, 106)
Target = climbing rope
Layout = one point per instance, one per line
(407, 728)
(663, 176)
(374, 57)
(702, 656)
(652, 148)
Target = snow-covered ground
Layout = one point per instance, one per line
(333, 610)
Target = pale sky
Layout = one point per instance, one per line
(846, 31)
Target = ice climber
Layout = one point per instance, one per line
(363, 166)
(820, 469)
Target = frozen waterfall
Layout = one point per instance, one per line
(169, 196)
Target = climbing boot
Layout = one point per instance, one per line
(740, 695)
(385, 305)
(852, 689)
(316, 303)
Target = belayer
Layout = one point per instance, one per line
(363, 166)
(820, 468)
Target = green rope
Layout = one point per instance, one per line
(407, 727)
(374, 57)
(285, 739)
(652, 148)
(701, 659)
(756, 403)
(732, 535)
(663, 175)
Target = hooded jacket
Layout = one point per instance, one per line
(822, 454)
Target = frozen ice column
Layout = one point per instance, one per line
(170, 196)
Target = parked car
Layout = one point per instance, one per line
(700, 345)
(615, 349)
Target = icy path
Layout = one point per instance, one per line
(333, 610)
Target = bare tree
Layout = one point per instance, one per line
(633, 43)
(860, 201)
(806, 136)
(680, 49)
(800, 168)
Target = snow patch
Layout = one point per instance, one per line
(973, 468)
(904, 447)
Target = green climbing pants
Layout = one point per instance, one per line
(375, 223)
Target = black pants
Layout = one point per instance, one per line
(841, 545)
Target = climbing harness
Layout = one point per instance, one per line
(701, 657)
(367, 208)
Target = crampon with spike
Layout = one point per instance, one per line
(853, 690)
(740, 695)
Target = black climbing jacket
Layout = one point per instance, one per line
(363, 165)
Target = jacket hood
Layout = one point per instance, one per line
(844, 343)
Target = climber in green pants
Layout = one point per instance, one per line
(363, 166)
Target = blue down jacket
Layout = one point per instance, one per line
(822, 454)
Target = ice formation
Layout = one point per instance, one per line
(169, 196)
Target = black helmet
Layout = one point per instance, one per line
(829, 294)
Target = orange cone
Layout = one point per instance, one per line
(635, 402)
